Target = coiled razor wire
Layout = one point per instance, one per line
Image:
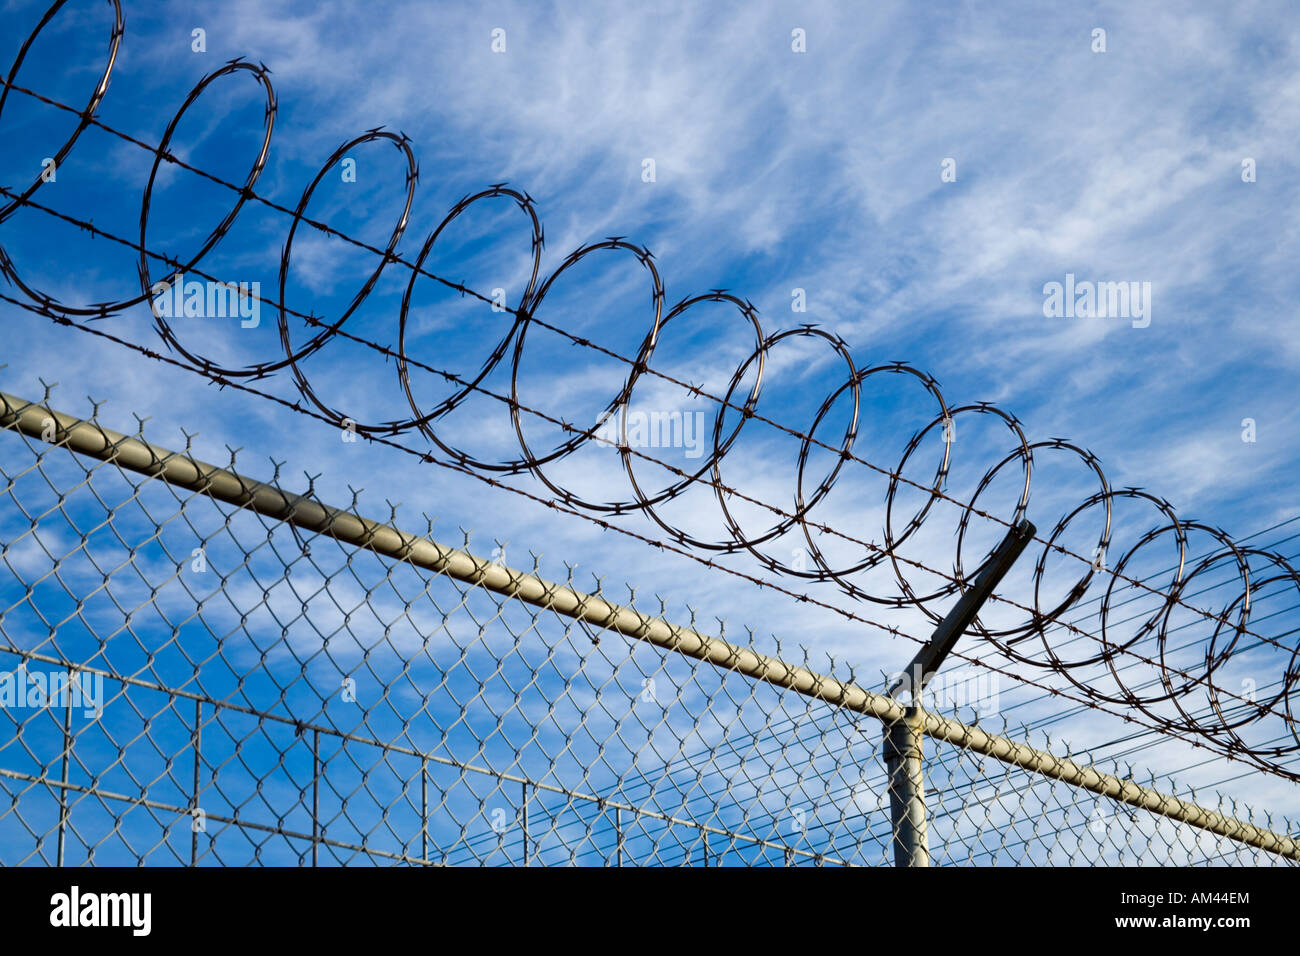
(1027, 643)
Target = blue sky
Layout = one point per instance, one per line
(774, 171)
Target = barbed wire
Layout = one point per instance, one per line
(1016, 643)
(103, 310)
(310, 319)
(729, 491)
(1157, 725)
(1164, 726)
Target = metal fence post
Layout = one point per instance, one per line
(907, 789)
(424, 810)
(903, 737)
(196, 743)
(64, 812)
(315, 794)
(618, 836)
(523, 790)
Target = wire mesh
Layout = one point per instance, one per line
(241, 692)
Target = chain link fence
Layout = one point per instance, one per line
(200, 669)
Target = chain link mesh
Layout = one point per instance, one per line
(242, 692)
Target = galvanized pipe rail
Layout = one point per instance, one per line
(184, 471)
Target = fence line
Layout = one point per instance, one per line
(184, 471)
(1095, 676)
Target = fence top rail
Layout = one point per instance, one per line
(181, 469)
